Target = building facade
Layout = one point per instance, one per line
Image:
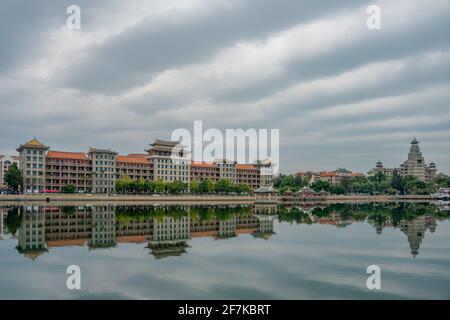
(414, 166)
(6, 161)
(103, 170)
(169, 162)
(32, 163)
(97, 170)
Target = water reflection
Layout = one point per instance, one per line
(167, 230)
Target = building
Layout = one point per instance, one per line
(63, 168)
(248, 174)
(266, 195)
(169, 161)
(103, 170)
(98, 170)
(134, 166)
(266, 172)
(379, 168)
(32, 163)
(336, 177)
(414, 166)
(227, 170)
(235, 173)
(203, 170)
(6, 161)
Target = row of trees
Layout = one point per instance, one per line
(376, 184)
(126, 185)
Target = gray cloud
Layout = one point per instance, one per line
(342, 95)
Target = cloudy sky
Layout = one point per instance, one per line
(342, 95)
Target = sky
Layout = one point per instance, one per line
(340, 94)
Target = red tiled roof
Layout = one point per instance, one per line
(203, 165)
(132, 159)
(245, 167)
(67, 155)
(138, 155)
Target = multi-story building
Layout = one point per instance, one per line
(414, 166)
(266, 172)
(334, 177)
(6, 161)
(103, 170)
(98, 170)
(203, 170)
(227, 170)
(248, 174)
(134, 166)
(63, 168)
(32, 163)
(235, 173)
(169, 162)
(379, 168)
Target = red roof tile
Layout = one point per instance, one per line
(67, 155)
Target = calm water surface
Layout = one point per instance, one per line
(227, 252)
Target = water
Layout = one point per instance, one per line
(247, 252)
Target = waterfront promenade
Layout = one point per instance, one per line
(73, 199)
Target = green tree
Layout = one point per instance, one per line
(13, 220)
(321, 185)
(223, 186)
(398, 183)
(195, 187)
(69, 188)
(13, 178)
(160, 187)
(206, 186)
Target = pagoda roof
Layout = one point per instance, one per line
(33, 143)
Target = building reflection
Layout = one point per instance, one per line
(415, 231)
(168, 230)
(99, 227)
(31, 238)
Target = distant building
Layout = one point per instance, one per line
(6, 161)
(32, 162)
(379, 168)
(414, 166)
(169, 161)
(336, 177)
(103, 170)
(266, 172)
(98, 170)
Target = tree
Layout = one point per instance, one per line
(321, 185)
(398, 183)
(339, 189)
(223, 186)
(13, 178)
(195, 187)
(160, 186)
(123, 185)
(13, 220)
(206, 186)
(69, 188)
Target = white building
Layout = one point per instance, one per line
(6, 162)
